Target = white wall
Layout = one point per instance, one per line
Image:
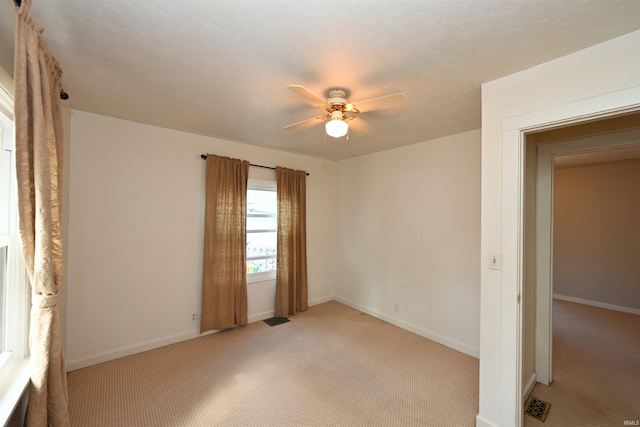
(408, 234)
(605, 77)
(136, 208)
(596, 242)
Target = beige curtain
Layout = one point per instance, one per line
(38, 124)
(224, 280)
(291, 271)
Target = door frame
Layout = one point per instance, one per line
(514, 131)
(546, 154)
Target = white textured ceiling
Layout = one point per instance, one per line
(221, 68)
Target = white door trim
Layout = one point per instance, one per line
(544, 241)
(514, 130)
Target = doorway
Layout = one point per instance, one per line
(541, 149)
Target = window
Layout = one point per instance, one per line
(14, 289)
(262, 226)
(3, 289)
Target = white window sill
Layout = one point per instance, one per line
(266, 276)
(12, 388)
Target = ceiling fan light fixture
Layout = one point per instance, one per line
(337, 105)
(336, 128)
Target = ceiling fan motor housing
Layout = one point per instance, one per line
(337, 97)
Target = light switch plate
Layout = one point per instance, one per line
(495, 261)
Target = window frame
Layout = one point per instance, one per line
(14, 354)
(261, 185)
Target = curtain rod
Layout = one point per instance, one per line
(63, 95)
(204, 156)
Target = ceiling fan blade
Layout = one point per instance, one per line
(360, 127)
(306, 121)
(382, 103)
(311, 97)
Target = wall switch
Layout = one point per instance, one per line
(495, 261)
(194, 317)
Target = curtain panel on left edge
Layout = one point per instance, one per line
(224, 277)
(39, 135)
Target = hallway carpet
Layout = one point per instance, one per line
(596, 368)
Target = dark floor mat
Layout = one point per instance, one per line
(274, 321)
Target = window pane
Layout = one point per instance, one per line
(261, 201)
(261, 265)
(3, 293)
(261, 244)
(261, 223)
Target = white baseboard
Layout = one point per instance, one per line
(463, 348)
(597, 304)
(528, 387)
(261, 316)
(271, 313)
(128, 351)
(481, 422)
(150, 345)
(321, 300)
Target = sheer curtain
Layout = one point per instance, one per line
(224, 279)
(38, 125)
(291, 271)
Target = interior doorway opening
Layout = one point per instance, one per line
(541, 149)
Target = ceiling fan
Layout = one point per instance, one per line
(338, 108)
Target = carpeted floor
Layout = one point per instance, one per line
(328, 366)
(596, 368)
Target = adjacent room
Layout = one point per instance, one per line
(594, 305)
(270, 213)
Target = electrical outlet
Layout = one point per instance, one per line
(396, 308)
(194, 317)
(495, 261)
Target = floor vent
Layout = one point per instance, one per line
(538, 409)
(274, 321)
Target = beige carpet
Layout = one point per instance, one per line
(329, 366)
(596, 368)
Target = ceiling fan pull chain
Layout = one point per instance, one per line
(325, 149)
